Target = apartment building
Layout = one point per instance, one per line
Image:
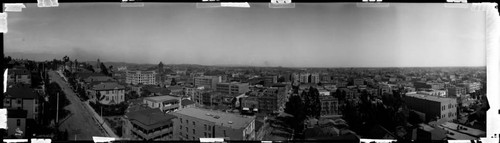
(194, 123)
(232, 87)
(164, 103)
(314, 78)
(432, 106)
(456, 91)
(141, 77)
(148, 124)
(208, 82)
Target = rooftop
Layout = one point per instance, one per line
(219, 118)
(108, 86)
(431, 98)
(149, 118)
(98, 78)
(21, 71)
(161, 98)
(17, 113)
(185, 102)
(21, 92)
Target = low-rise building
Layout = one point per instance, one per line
(107, 93)
(19, 75)
(329, 106)
(20, 97)
(195, 123)
(208, 82)
(434, 108)
(164, 103)
(232, 87)
(148, 124)
(16, 122)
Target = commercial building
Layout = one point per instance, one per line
(209, 82)
(434, 108)
(148, 124)
(141, 77)
(195, 123)
(232, 88)
(107, 93)
(23, 98)
(164, 103)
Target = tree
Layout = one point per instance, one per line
(66, 59)
(104, 70)
(296, 107)
(312, 102)
(173, 82)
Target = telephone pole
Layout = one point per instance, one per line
(57, 113)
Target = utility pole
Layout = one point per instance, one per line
(57, 113)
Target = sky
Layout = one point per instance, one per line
(309, 35)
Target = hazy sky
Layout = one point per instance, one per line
(310, 35)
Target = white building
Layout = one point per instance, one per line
(110, 93)
(142, 77)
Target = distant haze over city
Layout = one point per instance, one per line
(310, 35)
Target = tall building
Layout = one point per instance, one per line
(232, 87)
(314, 78)
(433, 107)
(194, 123)
(304, 78)
(141, 77)
(148, 124)
(209, 82)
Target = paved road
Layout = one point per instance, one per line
(80, 122)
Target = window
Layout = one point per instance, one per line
(180, 119)
(225, 133)
(194, 124)
(180, 127)
(205, 134)
(194, 131)
(36, 109)
(209, 127)
(205, 125)
(18, 122)
(18, 101)
(107, 92)
(187, 121)
(187, 130)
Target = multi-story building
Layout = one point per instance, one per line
(194, 123)
(208, 82)
(304, 78)
(23, 98)
(434, 108)
(141, 77)
(148, 124)
(107, 93)
(440, 93)
(164, 103)
(295, 77)
(20, 75)
(232, 88)
(314, 78)
(359, 81)
(329, 106)
(456, 91)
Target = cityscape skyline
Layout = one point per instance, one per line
(311, 35)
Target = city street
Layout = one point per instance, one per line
(80, 124)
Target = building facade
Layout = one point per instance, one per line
(329, 106)
(434, 108)
(148, 124)
(107, 93)
(194, 123)
(19, 76)
(209, 82)
(23, 98)
(164, 103)
(232, 88)
(141, 77)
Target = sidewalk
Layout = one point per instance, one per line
(100, 120)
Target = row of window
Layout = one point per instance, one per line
(114, 91)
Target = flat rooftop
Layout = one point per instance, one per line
(429, 97)
(224, 119)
